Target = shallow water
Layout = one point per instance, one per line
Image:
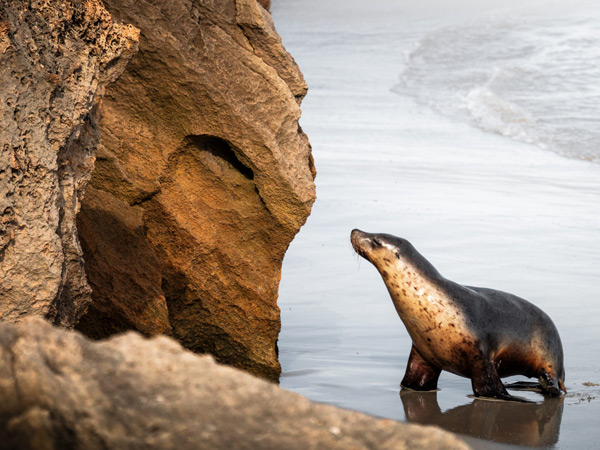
(485, 209)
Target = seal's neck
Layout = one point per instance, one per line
(415, 291)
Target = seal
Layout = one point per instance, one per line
(478, 333)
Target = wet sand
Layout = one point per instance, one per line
(484, 209)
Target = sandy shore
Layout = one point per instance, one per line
(484, 209)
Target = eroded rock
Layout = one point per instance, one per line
(201, 142)
(55, 59)
(61, 391)
(265, 4)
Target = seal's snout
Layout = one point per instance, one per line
(359, 239)
(354, 237)
(356, 234)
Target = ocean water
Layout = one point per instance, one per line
(533, 79)
(418, 133)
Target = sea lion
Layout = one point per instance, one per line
(477, 333)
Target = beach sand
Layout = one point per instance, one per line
(484, 209)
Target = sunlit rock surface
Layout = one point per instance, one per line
(55, 59)
(62, 391)
(203, 178)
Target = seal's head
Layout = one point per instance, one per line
(385, 251)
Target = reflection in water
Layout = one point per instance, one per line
(531, 424)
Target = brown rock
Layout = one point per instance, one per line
(265, 4)
(201, 143)
(55, 58)
(120, 253)
(61, 391)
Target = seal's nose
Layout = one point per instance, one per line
(357, 240)
(356, 234)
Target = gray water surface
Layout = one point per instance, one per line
(485, 209)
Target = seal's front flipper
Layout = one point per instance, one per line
(420, 375)
(487, 383)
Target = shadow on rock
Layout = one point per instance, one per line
(531, 424)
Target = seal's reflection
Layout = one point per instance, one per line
(531, 424)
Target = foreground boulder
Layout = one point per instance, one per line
(61, 391)
(55, 59)
(202, 180)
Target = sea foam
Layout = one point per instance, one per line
(537, 81)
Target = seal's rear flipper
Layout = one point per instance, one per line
(420, 375)
(547, 386)
(525, 386)
(550, 385)
(561, 384)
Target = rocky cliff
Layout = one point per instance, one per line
(55, 59)
(203, 177)
(61, 391)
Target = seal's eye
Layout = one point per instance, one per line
(376, 242)
(397, 255)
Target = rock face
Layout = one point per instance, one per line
(203, 177)
(61, 391)
(55, 58)
(265, 4)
